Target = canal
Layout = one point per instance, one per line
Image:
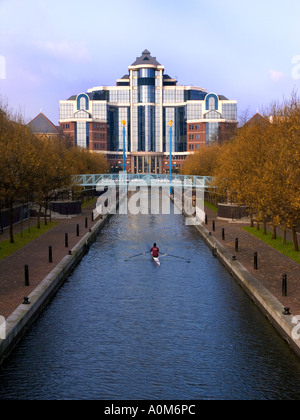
(132, 330)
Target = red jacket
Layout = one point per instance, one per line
(155, 252)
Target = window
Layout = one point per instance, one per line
(146, 81)
(146, 73)
(82, 102)
(194, 110)
(146, 94)
(100, 110)
(229, 111)
(171, 96)
(82, 114)
(212, 102)
(121, 96)
(66, 110)
(141, 129)
(212, 131)
(213, 115)
(82, 134)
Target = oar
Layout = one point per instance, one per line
(176, 256)
(135, 256)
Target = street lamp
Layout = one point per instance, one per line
(124, 154)
(170, 125)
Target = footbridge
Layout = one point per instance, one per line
(150, 180)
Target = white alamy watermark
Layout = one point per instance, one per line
(296, 67)
(150, 198)
(2, 328)
(296, 329)
(2, 67)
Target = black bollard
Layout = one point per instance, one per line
(92, 216)
(237, 245)
(66, 240)
(284, 285)
(26, 301)
(86, 222)
(223, 234)
(26, 269)
(77, 230)
(50, 254)
(206, 219)
(214, 226)
(255, 261)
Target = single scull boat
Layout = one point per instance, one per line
(156, 260)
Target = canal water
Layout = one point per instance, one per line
(131, 330)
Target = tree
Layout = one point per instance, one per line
(202, 162)
(82, 161)
(18, 158)
(261, 168)
(286, 123)
(34, 169)
(54, 173)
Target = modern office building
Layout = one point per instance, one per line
(146, 98)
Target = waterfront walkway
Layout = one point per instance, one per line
(271, 264)
(36, 256)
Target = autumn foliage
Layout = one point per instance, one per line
(33, 169)
(260, 168)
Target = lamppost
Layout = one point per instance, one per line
(124, 151)
(170, 125)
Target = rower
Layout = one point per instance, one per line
(155, 251)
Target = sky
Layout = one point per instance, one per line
(52, 49)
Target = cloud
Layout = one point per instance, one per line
(276, 76)
(65, 50)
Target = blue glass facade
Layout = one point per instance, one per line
(147, 99)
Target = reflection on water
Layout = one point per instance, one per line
(132, 330)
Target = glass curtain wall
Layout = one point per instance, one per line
(113, 121)
(146, 84)
(179, 139)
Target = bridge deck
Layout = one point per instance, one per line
(150, 180)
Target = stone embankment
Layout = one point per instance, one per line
(45, 277)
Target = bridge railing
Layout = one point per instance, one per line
(94, 180)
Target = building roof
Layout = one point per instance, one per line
(258, 119)
(146, 59)
(223, 98)
(42, 125)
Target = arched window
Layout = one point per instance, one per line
(212, 102)
(82, 102)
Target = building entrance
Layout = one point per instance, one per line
(147, 163)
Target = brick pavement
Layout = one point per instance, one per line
(271, 263)
(36, 256)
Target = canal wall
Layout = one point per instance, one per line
(286, 325)
(22, 318)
